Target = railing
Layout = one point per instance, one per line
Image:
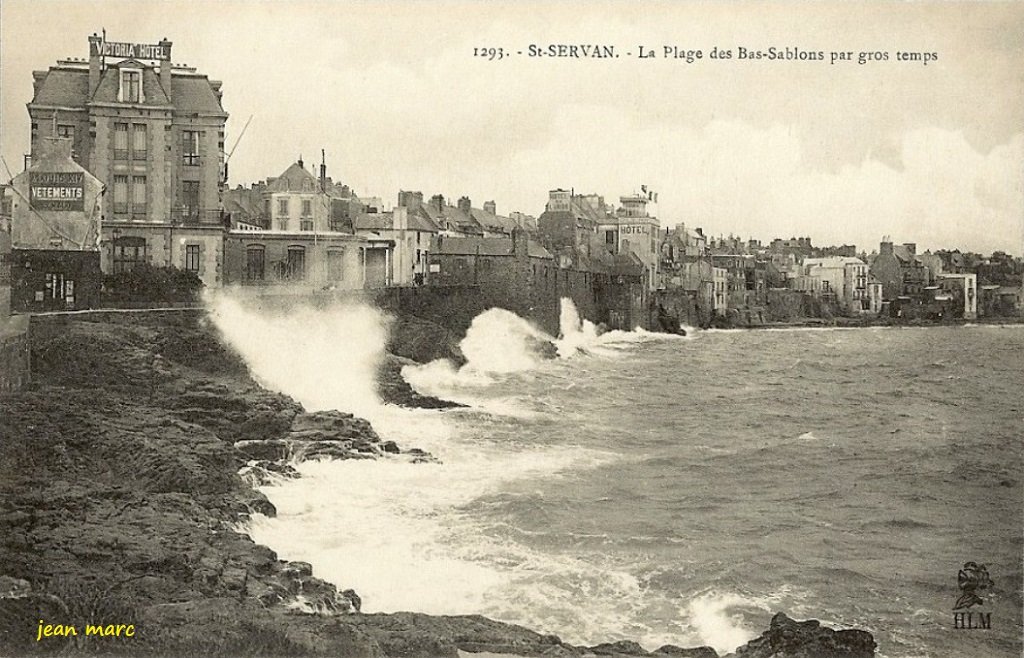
(197, 217)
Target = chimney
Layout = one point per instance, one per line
(520, 244)
(885, 248)
(491, 207)
(301, 166)
(323, 171)
(465, 205)
(165, 68)
(410, 200)
(911, 247)
(95, 63)
(400, 218)
(437, 202)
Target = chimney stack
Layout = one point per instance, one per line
(95, 63)
(491, 207)
(323, 171)
(465, 205)
(165, 68)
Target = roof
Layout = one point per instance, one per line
(68, 86)
(903, 254)
(372, 221)
(292, 180)
(194, 93)
(375, 221)
(833, 261)
(492, 221)
(62, 86)
(487, 247)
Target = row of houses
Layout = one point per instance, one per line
(128, 169)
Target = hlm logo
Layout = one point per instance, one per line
(972, 580)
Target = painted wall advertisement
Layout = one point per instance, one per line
(61, 190)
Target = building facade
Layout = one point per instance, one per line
(153, 133)
(55, 232)
(302, 248)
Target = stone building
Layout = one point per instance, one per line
(302, 249)
(55, 231)
(900, 271)
(631, 229)
(414, 238)
(153, 133)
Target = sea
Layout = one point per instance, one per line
(667, 489)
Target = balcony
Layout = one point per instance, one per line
(198, 217)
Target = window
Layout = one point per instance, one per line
(255, 259)
(129, 253)
(120, 195)
(307, 208)
(296, 264)
(54, 286)
(336, 265)
(66, 131)
(138, 195)
(120, 141)
(609, 237)
(190, 148)
(131, 86)
(282, 207)
(192, 258)
(190, 199)
(306, 225)
(138, 141)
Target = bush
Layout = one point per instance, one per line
(148, 284)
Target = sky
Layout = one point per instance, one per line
(840, 152)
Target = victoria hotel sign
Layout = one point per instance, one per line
(161, 51)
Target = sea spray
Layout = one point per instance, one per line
(718, 621)
(575, 334)
(399, 533)
(326, 358)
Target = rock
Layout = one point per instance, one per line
(423, 341)
(264, 449)
(357, 603)
(620, 648)
(698, 652)
(392, 387)
(807, 639)
(390, 447)
(297, 570)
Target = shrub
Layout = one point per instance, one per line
(147, 284)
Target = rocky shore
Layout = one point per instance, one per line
(128, 465)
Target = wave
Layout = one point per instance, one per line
(499, 344)
(326, 358)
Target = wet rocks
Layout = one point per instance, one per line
(807, 639)
(393, 388)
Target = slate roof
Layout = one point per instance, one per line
(903, 254)
(62, 86)
(372, 221)
(292, 180)
(492, 221)
(69, 87)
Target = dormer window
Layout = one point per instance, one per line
(131, 86)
